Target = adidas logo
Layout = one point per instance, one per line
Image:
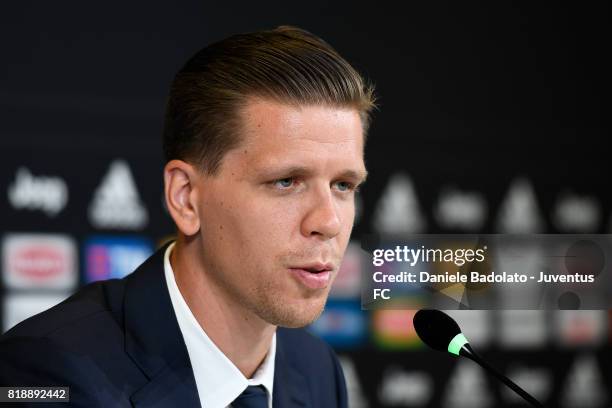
(44, 193)
(398, 210)
(519, 213)
(467, 376)
(116, 203)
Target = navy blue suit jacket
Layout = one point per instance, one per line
(117, 343)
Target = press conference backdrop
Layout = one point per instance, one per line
(491, 120)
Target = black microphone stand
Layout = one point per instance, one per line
(467, 351)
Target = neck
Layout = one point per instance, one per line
(241, 335)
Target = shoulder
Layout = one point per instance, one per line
(100, 300)
(77, 323)
(63, 346)
(87, 323)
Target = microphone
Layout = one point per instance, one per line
(440, 332)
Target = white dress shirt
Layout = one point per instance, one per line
(218, 380)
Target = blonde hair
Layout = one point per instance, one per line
(286, 64)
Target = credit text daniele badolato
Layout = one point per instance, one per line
(459, 257)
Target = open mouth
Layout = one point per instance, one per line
(313, 276)
(315, 270)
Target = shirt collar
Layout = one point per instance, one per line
(218, 380)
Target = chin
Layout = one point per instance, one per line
(299, 314)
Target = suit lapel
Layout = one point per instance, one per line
(290, 387)
(174, 386)
(154, 341)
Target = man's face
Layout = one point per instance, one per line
(276, 218)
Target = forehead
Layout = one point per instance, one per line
(274, 133)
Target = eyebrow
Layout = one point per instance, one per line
(295, 171)
(355, 175)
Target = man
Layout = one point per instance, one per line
(264, 141)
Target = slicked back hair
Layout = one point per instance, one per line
(286, 65)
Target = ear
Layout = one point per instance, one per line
(180, 182)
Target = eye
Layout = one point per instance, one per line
(284, 183)
(345, 186)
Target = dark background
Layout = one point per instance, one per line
(471, 96)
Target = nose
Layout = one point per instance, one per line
(322, 218)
